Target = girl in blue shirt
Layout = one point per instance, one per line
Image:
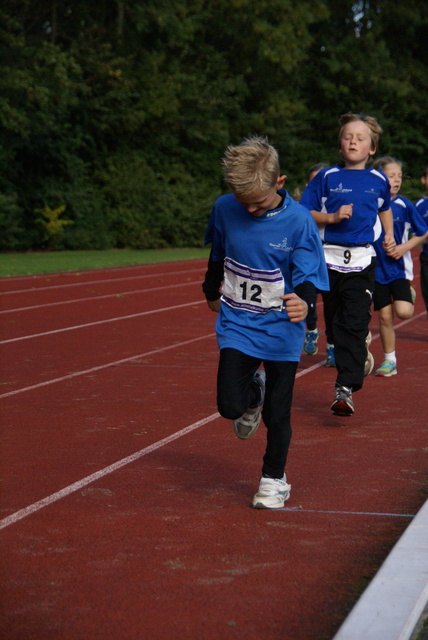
(422, 206)
(393, 294)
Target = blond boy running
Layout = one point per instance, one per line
(347, 202)
(267, 255)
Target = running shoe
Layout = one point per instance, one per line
(310, 346)
(369, 363)
(413, 293)
(342, 403)
(245, 426)
(387, 368)
(272, 493)
(330, 359)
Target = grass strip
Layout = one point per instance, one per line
(37, 262)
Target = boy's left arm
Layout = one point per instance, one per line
(297, 304)
(388, 227)
(307, 292)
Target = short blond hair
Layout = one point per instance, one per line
(372, 123)
(252, 166)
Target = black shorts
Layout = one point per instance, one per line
(385, 294)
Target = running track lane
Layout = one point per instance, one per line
(167, 543)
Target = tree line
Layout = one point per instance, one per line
(114, 115)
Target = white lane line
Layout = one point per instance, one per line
(299, 374)
(104, 281)
(401, 324)
(72, 488)
(123, 360)
(348, 513)
(98, 322)
(23, 513)
(163, 274)
(104, 366)
(36, 335)
(145, 313)
(118, 294)
(374, 337)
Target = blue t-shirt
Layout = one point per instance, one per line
(368, 191)
(406, 219)
(422, 207)
(265, 257)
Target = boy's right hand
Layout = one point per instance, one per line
(343, 213)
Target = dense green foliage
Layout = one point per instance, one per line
(114, 114)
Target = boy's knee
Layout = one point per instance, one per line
(404, 310)
(406, 315)
(386, 319)
(229, 409)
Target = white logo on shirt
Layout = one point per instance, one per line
(340, 189)
(372, 191)
(281, 247)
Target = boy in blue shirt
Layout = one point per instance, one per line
(393, 293)
(267, 255)
(422, 207)
(350, 203)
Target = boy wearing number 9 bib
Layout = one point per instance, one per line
(351, 204)
(267, 259)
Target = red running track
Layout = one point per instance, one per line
(126, 498)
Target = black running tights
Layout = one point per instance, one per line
(236, 392)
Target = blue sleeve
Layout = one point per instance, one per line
(312, 195)
(422, 206)
(308, 258)
(418, 224)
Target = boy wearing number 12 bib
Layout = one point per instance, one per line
(351, 204)
(267, 259)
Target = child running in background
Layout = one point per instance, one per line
(347, 202)
(393, 294)
(422, 207)
(267, 252)
(310, 345)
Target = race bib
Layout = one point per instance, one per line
(346, 259)
(253, 290)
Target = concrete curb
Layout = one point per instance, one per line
(394, 601)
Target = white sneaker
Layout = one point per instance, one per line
(272, 493)
(245, 426)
